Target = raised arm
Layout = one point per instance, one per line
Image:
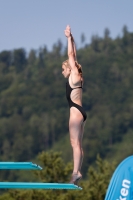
(71, 48)
(74, 47)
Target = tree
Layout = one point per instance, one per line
(95, 43)
(32, 57)
(83, 39)
(106, 33)
(125, 31)
(19, 59)
(6, 60)
(55, 170)
(125, 36)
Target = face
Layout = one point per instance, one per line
(65, 71)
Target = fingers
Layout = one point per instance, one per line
(68, 28)
(67, 31)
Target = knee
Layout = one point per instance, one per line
(75, 143)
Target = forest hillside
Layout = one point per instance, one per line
(34, 111)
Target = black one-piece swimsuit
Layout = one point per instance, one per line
(71, 103)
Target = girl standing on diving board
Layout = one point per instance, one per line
(73, 72)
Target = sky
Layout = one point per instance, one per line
(31, 24)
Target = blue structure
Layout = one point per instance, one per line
(20, 185)
(19, 165)
(121, 184)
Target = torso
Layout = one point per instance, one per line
(74, 94)
(74, 97)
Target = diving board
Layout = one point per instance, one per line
(19, 165)
(22, 185)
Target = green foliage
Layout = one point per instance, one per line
(33, 108)
(19, 59)
(55, 170)
(99, 179)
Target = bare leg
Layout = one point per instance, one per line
(82, 153)
(76, 133)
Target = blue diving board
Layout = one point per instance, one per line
(19, 165)
(22, 185)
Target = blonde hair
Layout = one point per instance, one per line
(66, 63)
(79, 67)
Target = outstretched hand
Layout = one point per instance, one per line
(67, 31)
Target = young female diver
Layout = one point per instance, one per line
(73, 71)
